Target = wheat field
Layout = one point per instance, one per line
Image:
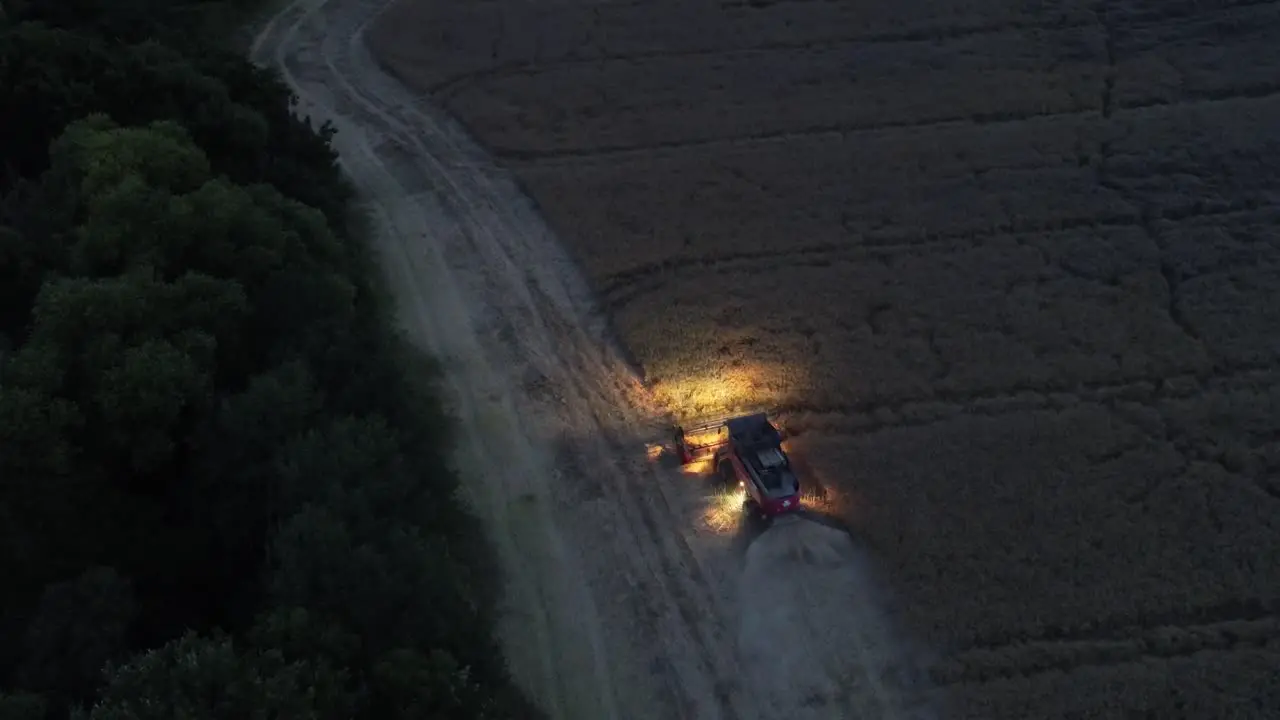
(1009, 272)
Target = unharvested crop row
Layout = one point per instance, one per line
(751, 93)
(979, 319)
(532, 33)
(978, 322)
(1212, 684)
(1235, 235)
(826, 191)
(568, 34)
(1143, 12)
(1168, 61)
(1031, 656)
(622, 104)
(1042, 548)
(1188, 101)
(577, 108)
(1132, 398)
(1003, 528)
(817, 190)
(1090, 304)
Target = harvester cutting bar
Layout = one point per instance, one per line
(700, 441)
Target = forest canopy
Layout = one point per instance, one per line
(224, 475)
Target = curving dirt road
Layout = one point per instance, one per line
(623, 601)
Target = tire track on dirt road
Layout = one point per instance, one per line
(441, 319)
(664, 570)
(501, 304)
(615, 607)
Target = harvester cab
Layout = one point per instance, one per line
(746, 450)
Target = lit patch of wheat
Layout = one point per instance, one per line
(741, 388)
(723, 513)
(699, 468)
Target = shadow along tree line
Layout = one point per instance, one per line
(225, 493)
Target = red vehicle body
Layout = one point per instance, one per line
(746, 450)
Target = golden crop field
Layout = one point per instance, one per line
(1008, 270)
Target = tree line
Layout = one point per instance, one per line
(224, 490)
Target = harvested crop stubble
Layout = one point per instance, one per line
(1011, 271)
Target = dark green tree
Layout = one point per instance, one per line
(137, 356)
(379, 586)
(23, 264)
(231, 497)
(199, 376)
(22, 706)
(79, 626)
(239, 114)
(407, 685)
(197, 678)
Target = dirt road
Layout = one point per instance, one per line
(622, 601)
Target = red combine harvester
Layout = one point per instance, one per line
(746, 450)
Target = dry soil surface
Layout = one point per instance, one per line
(1010, 269)
(629, 595)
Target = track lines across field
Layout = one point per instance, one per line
(623, 288)
(926, 409)
(762, 4)
(615, 153)
(1267, 485)
(854, 418)
(1156, 640)
(451, 86)
(1177, 10)
(925, 33)
(571, 4)
(1130, 625)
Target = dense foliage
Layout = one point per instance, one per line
(222, 494)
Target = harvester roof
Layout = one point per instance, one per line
(759, 444)
(754, 431)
